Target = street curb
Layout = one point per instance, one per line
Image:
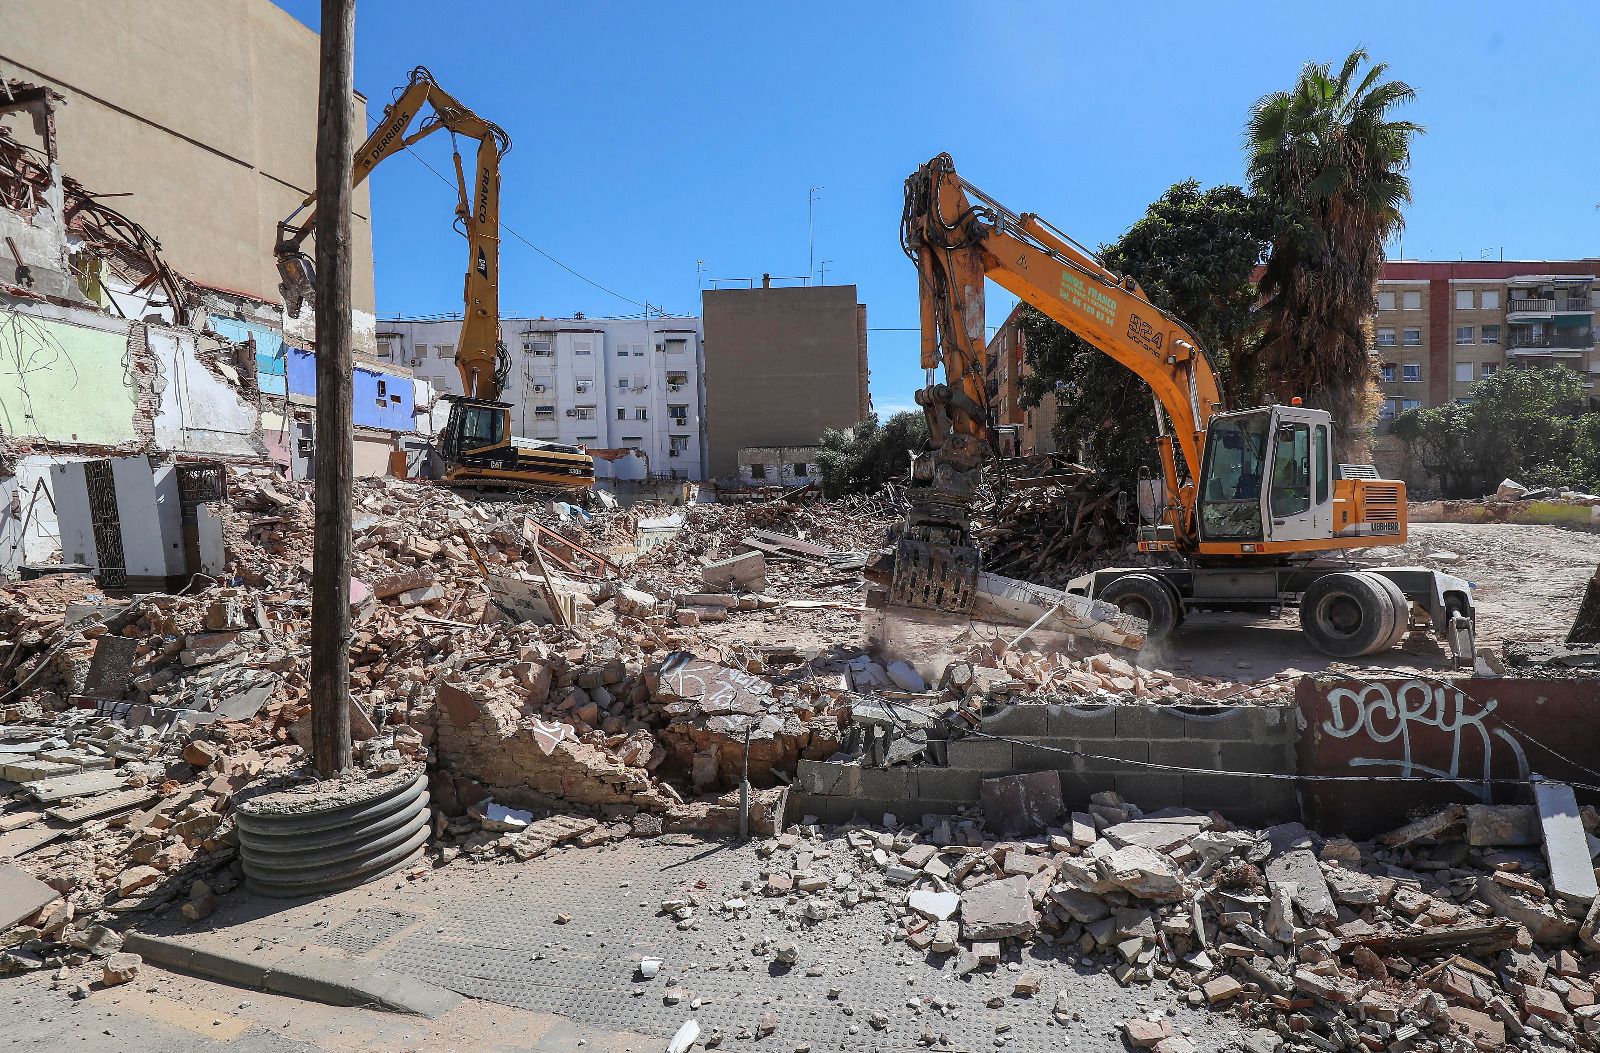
(331, 981)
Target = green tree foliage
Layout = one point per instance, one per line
(865, 456)
(1193, 253)
(1331, 161)
(1528, 424)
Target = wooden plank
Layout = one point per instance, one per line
(792, 544)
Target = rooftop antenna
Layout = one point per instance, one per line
(811, 211)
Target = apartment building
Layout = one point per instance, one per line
(604, 383)
(1443, 327)
(1022, 431)
(784, 365)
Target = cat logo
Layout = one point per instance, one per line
(483, 264)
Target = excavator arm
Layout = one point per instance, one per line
(957, 236)
(480, 356)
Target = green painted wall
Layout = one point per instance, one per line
(64, 383)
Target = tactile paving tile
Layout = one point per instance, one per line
(367, 930)
(501, 942)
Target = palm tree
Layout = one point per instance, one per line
(1332, 162)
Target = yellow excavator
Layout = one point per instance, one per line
(476, 446)
(1254, 511)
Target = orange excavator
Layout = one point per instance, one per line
(1253, 504)
(477, 446)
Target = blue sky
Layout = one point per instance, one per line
(650, 136)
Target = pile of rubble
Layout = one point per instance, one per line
(1453, 933)
(1050, 532)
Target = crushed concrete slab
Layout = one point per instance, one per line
(21, 895)
(998, 910)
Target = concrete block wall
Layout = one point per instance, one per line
(1219, 738)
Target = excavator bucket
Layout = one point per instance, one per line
(297, 281)
(934, 577)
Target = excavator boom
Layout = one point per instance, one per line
(477, 445)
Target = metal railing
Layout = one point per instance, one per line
(1580, 342)
(1548, 305)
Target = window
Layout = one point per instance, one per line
(1491, 300)
(622, 383)
(1385, 337)
(1491, 334)
(583, 412)
(1235, 456)
(421, 351)
(445, 350)
(1320, 455)
(1291, 470)
(540, 347)
(622, 414)
(1386, 301)
(1411, 338)
(1386, 372)
(677, 377)
(1487, 369)
(1463, 299)
(679, 414)
(583, 347)
(1411, 301)
(587, 438)
(758, 471)
(798, 469)
(1464, 334)
(544, 413)
(1409, 404)
(1389, 409)
(675, 345)
(1464, 372)
(1411, 372)
(383, 389)
(633, 438)
(641, 413)
(481, 425)
(622, 350)
(638, 350)
(678, 443)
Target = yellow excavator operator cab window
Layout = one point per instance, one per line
(482, 426)
(1235, 465)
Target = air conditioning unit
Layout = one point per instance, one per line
(415, 362)
(541, 387)
(572, 413)
(674, 387)
(661, 347)
(672, 453)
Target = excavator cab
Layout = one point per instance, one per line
(1266, 476)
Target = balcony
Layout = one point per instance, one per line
(1574, 342)
(1550, 305)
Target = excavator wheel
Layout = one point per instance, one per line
(1148, 597)
(1348, 614)
(1402, 611)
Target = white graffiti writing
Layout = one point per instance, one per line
(714, 685)
(1383, 713)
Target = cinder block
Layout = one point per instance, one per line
(947, 784)
(1255, 756)
(885, 782)
(1117, 749)
(1151, 789)
(1244, 724)
(1080, 722)
(985, 755)
(1168, 723)
(1040, 756)
(1132, 722)
(1016, 721)
(829, 780)
(1244, 800)
(1191, 753)
(1078, 786)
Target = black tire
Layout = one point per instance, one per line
(1402, 611)
(1148, 597)
(1347, 614)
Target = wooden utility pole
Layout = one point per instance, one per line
(330, 553)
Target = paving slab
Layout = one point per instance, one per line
(1565, 846)
(21, 895)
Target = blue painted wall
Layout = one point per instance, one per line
(271, 351)
(394, 409)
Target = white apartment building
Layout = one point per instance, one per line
(604, 383)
